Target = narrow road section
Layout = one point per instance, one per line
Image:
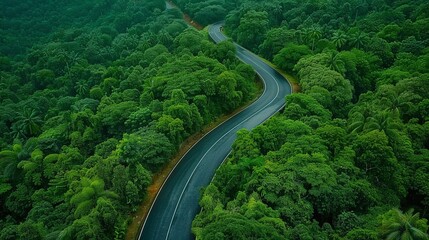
(176, 204)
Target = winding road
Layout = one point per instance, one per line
(176, 204)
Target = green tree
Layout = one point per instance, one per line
(359, 119)
(113, 116)
(31, 230)
(43, 78)
(87, 195)
(236, 226)
(312, 35)
(359, 66)
(346, 222)
(172, 128)
(375, 158)
(33, 168)
(189, 39)
(362, 234)
(18, 203)
(398, 225)
(149, 148)
(358, 39)
(252, 28)
(9, 160)
(81, 89)
(335, 138)
(106, 214)
(244, 146)
(210, 14)
(390, 32)
(223, 52)
(86, 227)
(28, 123)
(226, 85)
(139, 119)
(290, 55)
(189, 115)
(275, 40)
(302, 106)
(382, 49)
(335, 63)
(275, 132)
(384, 121)
(339, 38)
(132, 194)
(315, 75)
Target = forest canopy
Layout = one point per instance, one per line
(96, 96)
(348, 157)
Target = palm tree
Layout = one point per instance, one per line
(360, 118)
(403, 226)
(385, 121)
(358, 124)
(28, 123)
(312, 35)
(81, 89)
(17, 133)
(359, 39)
(393, 102)
(335, 63)
(339, 38)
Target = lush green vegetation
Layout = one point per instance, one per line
(351, 148)
(93, 104)
(96, 96)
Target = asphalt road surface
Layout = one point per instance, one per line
(176, 204)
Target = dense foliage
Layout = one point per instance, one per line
(93, 104)
(351, 148)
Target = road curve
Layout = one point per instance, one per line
(176, 204)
